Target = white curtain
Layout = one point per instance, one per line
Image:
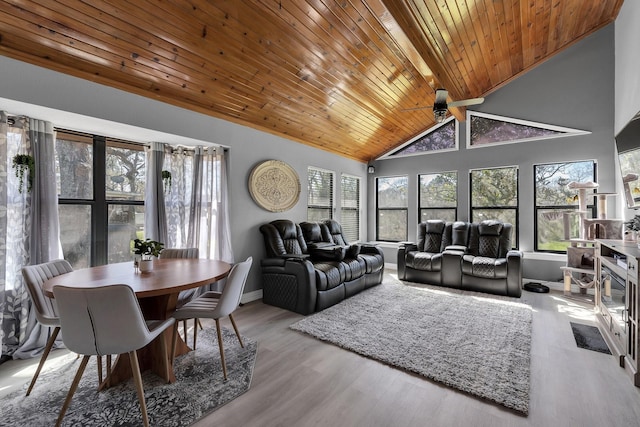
(29, 224)
(197, 203)
(15, 226)
(155, 218)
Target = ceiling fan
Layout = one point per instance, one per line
(440, 105)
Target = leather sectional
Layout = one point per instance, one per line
(310, 266)
(462, 255)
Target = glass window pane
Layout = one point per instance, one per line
(75, 234)
(551, 229)
(392, 225)
(552, 179)
(392, 192)
(502, 215)
(438, 190)
(318, 214)
(125, 172)
(443, 214)
(74, 166)
(494, 187)
(126, 223)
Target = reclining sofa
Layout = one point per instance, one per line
(462, 255)
(310, 266)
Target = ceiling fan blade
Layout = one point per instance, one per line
(441, 96)
(427, 107)
(466, 102)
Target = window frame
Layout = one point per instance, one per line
(331, 195)
(590, 206)
(421, 208)
(391, 209)
(99, 204)
(516, 232)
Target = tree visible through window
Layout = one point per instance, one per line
(392, 208)
(438, 198)
(100, 197)
(494, 195)
(554, 203)
(438, 138)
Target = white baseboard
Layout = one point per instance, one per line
(251, 296)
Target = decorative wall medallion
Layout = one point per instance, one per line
(274, 186)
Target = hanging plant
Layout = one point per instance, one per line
(166, 179)
(24, 163)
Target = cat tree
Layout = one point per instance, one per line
(580, 269)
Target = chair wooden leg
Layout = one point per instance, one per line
(184, 329)
(235, 328)
(72, 390)
(45, 354)
(99, 370)
(108, 369)
(199, 324)
(165, 357)
(137, 377)
(174, 341)
(224, 365)
(195, 331)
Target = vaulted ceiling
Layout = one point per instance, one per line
(333, 74)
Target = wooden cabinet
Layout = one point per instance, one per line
(617, 300)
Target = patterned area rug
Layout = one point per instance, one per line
(474, 342)
(199, 389)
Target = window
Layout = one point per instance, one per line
(494, 195)
(350, 211)
(392, 208)
(439, 138)
(438, 196)
(320, 198)
(554, 203)
(100, 197)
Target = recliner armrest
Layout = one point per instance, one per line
(456, 248)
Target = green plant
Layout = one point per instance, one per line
(633, 224)
(166, 179)
(147, 248)
(24, 163)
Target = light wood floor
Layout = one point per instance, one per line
(300, 381)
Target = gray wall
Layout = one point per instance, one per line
(627, 60)
(573, 89)
(41, 87)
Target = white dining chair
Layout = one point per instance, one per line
(107, 320)
(45, 309)
(216, 305)
(187, 295)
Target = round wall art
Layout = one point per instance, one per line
(274, 186)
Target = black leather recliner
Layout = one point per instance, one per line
(470, 256)
(310, 274)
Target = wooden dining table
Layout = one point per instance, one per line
(157, 291)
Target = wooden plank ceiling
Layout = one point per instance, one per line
(334, 74)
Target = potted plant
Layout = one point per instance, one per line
(145, 250)
(632, 228)
(166, 179)
(24, 163)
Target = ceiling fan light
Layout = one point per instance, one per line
(440, 115)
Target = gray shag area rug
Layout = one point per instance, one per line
(198, 390)
(477, 343)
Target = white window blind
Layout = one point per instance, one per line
(320, 194)
(350, 210)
